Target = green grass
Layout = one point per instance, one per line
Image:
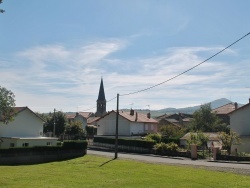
(94, 171)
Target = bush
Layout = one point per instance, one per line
(154, 137)
(168, 140)
(163, 148)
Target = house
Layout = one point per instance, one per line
(223, 111)
(26, 130)
(80, 117)
(240, 123)
(213, 139)
(129, 123)
(179, 119)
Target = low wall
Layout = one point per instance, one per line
(35, 157)
(231, 158)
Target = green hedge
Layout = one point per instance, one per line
(169, 140)
(75, 144)
(82, 144)
(126, 142)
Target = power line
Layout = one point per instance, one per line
(187, 69)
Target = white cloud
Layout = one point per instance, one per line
(54, 76)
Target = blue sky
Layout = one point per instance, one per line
(54, 53)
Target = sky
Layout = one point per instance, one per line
(53, 54)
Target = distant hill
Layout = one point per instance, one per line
(188, 110)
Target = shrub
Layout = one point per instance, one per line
(153, 137)
(126, 142)
(169, 148)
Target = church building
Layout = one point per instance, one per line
(101, 102)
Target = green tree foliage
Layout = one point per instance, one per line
(60, 123)
(1, 10)
(206, 121)
(229, 139)
(7, 102)
(75, 130)
(198, 138)
(171, 131)
(153, 137)
(91, 130)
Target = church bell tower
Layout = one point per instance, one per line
(101, 102)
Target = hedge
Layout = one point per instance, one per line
(82, 144)
(75, 144)
(126, 142)
(168, 140)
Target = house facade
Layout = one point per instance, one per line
(129, 124)
(26, 130)
(81, 117)
(240, 123)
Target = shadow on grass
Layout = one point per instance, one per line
(107, 162)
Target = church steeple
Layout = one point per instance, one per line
(101, 102)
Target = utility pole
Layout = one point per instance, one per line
(116, 127)
(54, 123)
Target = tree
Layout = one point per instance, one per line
(206, 121)
(229, 139)
(7, 104)
(171, 131)
(75, 130)
(91, 130)
(60, 123)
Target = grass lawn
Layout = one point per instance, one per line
(95, 171)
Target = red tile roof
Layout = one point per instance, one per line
(224, 109)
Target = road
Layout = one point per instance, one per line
(178, 161)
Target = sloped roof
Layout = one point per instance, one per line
(86, 114)
(211, 136)
(137, 117)
(240, 108)
(225, 109)
(20, 109)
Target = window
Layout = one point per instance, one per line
(49, 143)
(25, 144)
(12, 145)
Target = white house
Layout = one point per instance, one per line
(129, 123)
(80, 117)
(26, 130)
(240, 123)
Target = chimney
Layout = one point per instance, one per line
(236, 105)
(132, 112)
(77, 113)
(148, 115)
(136, 116)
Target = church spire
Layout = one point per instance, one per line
(101, 102)
(101, 96)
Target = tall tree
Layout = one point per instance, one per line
(206, 121)
(75, 130)
(57, 120)
(7, 104)
(229, 139)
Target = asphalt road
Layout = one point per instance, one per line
(172, 160)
